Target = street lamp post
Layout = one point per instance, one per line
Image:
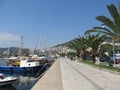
(113, 43)
(113, 54)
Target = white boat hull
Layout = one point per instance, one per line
(7, 81)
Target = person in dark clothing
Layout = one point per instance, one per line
(71, 57)
(107, 59)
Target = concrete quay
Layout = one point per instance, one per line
(52, 79)
(69, 75)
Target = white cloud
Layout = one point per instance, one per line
(8, 37)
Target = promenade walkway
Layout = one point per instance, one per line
(52, 79)
(79, 76)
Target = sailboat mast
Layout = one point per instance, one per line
(35, 50)
(8, 52)
(21, 44)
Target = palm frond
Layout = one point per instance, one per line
(91, 31)
(107, 31)
(115, 14)
(107, 22)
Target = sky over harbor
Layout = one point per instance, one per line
(51, 22)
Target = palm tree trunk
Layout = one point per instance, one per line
(83, 54)
(78, 54)
(93, 56)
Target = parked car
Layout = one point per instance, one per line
(117, 60)
(102, 59)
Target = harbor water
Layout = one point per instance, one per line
(25, 80)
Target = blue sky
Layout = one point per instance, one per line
(54, 21)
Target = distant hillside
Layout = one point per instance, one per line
(3, 49)
(64, 44)
(13, 51)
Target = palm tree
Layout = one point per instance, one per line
(83, 45)
(74, 44)
(94, 41)
(112, 25)
(78, 44)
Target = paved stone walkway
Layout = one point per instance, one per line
(78, 76)
(52, 79)
(69, 75)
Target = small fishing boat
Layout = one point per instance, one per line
(7, 80)
(24, 66)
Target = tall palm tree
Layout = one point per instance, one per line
(83, 46)
(78, 44)
(94, 41)
(74, 44)
(112, 25)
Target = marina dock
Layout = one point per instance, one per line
(65, 74)
(52, 79)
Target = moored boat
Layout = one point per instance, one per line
(25, 65)
(22, 63)
(7, 80)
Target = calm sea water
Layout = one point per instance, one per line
(25, 82)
